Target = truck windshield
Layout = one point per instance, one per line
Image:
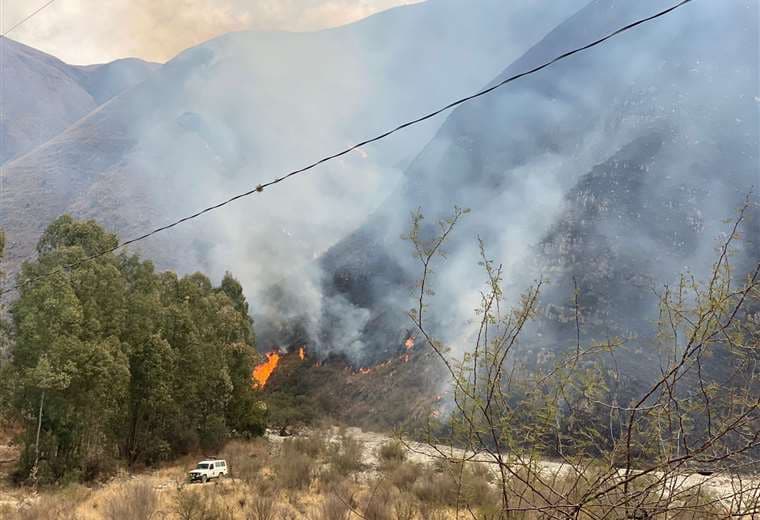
(202, 466)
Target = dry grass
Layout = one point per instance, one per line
(391, 453)
(378, 502)
(319, 478)
(346, 455)
(60, 506)
(247, 459)
(293, 468)
(136, 501)
(263, 507)
(405, 475)
(335, 507)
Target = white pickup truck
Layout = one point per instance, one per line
(208, 469)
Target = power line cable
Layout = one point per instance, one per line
(361, 144)
(28, 17)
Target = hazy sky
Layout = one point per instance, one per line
(93, 31)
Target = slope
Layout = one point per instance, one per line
(240, 109)
(42, 96)
(616, 169)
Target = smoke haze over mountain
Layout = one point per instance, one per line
(615, 168)
(94, 31)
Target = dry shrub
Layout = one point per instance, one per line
(335, 507)
(288, 514)
(200, 504)
(477, 488)
(391, 453)
(314, 444)
(452, 484)
(378, 504)
(246, 459)
(404, 475)
(405, 507)
(436, 487)
(262, 508)
(47, 508)
(266, 486)
(61, 506)
(432, 512)
(137, 501)
(346, 455)
(329, 479)
(294, 469)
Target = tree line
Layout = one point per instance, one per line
(114, 362)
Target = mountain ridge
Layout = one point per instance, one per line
(46, 95)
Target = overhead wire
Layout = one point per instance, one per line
(28, 17)
(259, 188)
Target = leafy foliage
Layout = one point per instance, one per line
(116, 361)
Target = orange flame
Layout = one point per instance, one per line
(365, 370)
(409, 343)
(302, 353)
(263, 371)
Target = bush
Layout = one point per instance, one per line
(314, 445)
(335, 507)
(476, 486)
(439, 488)
(262, 508)
(444, 487)
(405, 507)
(62, 506)
(191, 506)
(391, 453)
(405, 475)
(294, 469)
(431, 512)
(246, 459)
(378, 504)
(133, 502)
(200, 503)
(346, 455)
(99, 468)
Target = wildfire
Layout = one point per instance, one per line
(263, 371)
(409, 346)
(365, 370)
(302, 353)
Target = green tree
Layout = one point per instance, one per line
(118, 361)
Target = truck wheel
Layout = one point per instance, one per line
(204, 479)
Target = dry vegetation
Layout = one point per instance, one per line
(330, 474)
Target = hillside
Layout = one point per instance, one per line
(616, 172)
(247, 106)
(42, 96)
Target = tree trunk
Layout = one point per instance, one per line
(37, 441)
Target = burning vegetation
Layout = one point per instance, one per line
(262, 372)
(299, 387)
